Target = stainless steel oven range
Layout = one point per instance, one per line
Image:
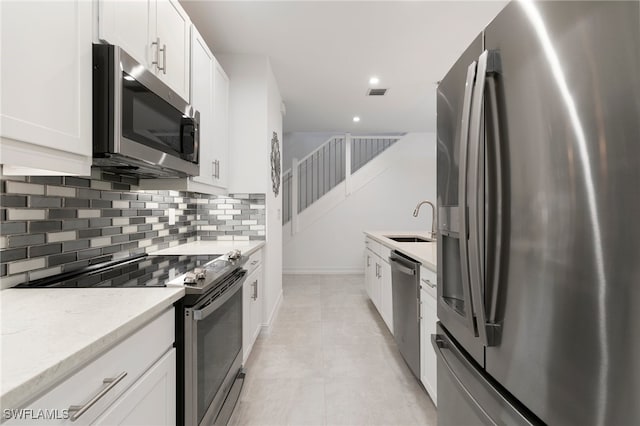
(210, 345)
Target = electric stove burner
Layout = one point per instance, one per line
(138, 271)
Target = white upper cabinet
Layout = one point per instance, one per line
(220, 125)
(45, 107)
(154, 32)
(202, 75)
(128, 24)
(210, 97)
(173, 29)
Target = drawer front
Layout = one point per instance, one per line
(107, 377)
(428, 281)
(384, 252)
(380, 249)
(370, 244)
(254, 261)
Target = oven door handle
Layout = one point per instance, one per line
(200, 314)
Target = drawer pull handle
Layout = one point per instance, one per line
(429, 283)
(79, 410)
(254, 262)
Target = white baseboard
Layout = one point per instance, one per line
(322, 271)
(266, 327)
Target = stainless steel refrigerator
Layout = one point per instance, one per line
(538, 147)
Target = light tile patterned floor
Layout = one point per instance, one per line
(329, 360)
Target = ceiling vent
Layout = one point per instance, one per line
(376, 92)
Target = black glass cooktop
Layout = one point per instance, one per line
(139, 271)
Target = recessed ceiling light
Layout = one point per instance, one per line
(356, 119)
(374, 80)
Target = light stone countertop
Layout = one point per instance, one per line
(212, 248)
(48, 334)
(425, 253)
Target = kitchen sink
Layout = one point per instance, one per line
(409, 239)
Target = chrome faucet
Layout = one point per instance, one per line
(433, 216)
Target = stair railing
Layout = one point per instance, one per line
(327, 166)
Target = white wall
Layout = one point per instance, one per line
(273, 274)
(254, 114)
(335, 242)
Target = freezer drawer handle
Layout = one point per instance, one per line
(440, 344)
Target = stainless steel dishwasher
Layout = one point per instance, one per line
(405, 283)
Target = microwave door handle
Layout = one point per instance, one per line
(196, 136)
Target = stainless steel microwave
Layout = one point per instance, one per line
(140, 126)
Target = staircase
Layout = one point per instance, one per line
(327, 175)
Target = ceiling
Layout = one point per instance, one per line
(324, 52)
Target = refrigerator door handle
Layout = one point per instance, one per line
(462, 191)
(476, 205)
(497, 217)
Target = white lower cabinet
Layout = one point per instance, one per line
(132, 383)
(371, 277)
(428, 319)
(386, 294)
(149, 401)
(378, 285)
(252, 304)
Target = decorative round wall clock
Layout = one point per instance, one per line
(275, 164)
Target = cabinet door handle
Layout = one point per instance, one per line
(164, 58)
(427, 282)
(156, 44)
(419, 305)
(255, 290)
(79, 410)
(368, 260)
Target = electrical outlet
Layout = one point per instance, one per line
(172, 216)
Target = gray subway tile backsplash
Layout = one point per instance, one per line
(55, 224)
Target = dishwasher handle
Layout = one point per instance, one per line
(400, 267)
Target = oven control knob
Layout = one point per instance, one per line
(190, 278)
(200, 273)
